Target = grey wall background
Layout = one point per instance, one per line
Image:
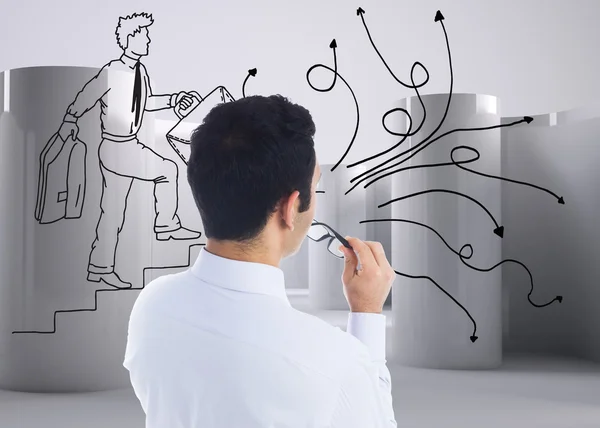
(535, 56)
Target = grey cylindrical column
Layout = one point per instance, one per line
(59, 333)
(343, 213)
(430, 329)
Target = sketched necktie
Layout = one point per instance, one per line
(137, 93)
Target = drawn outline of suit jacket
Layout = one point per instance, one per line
(62, 180)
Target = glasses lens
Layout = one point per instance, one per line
(334, 246)
(317, 232)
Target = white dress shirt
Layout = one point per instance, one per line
(113, 89)
(220, 346)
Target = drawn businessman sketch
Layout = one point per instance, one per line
(120, 123)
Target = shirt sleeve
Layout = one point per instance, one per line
(88, 96)
(370, 330)
(365, 395)
(156, 102)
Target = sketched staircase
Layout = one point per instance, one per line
(120, 301)
(83, 353)
(130, 294)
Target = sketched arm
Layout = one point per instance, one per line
(88, 96)
(165, 101)
(157, 102)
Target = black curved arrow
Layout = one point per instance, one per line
(458, 164)
(438, 18)
(473, 337)
(360, 12)
(560, 199)
(252, 72)
(463, 162)
(526, 119)
(499, 230)
(333, 45)
(462, 257)
(431, 165)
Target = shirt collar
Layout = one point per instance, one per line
(248, 277)
(128, 61)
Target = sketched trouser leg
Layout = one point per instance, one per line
(120, 163)
(115, 189)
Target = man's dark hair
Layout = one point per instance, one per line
(246, 156)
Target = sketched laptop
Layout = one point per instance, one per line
(179, 136)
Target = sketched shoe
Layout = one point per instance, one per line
(178, 234)
(111, 279)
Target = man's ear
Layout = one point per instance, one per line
(289, 209)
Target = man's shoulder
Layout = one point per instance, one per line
(116, 65)
(112, 64)
(152, 293)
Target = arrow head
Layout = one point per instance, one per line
(499, 231)
(561, 200)
(333, 44)
(473, 338)
(252, 71)
(360, 11)
(559, 298)
(528, 119)
(438, 16)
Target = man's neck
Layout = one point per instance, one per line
(131, 55)
(253, 253)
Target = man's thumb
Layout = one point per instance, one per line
(349, 256)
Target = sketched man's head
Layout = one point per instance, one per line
(132, 33)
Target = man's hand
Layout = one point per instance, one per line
(366, 289)
(68, 130)
(184, 98)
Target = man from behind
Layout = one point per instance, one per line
(219, 345)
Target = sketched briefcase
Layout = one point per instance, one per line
(62, 180)
(179, 136)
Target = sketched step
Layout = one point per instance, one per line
(124, 308)
(155, 272)
(93, 364)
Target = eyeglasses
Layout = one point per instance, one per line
(321, 232)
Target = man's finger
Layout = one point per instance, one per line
(350, 264)
(349, 256)
(363, 251)
(378, 253)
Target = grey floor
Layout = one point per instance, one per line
(528, 391)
